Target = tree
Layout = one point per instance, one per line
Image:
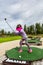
(28, 30)
(2, 31)
(42, 29)
(32, 29)
(12, 34)
(8, 33)
(38, 28)
(25, 28)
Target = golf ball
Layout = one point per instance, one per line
(19, 56)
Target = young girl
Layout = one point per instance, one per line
(21, 32)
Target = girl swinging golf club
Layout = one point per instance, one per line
(21, 32)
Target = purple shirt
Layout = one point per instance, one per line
(21, 33)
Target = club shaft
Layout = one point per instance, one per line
(10, 26)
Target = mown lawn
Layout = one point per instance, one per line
(9, 38)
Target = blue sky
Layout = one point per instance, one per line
(20, 11)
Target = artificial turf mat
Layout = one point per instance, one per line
(35, 55)
(34, 41)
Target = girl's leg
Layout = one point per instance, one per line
(26, 41)
(20, 50)
(29, 49)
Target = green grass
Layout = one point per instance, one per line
(34, 41)
(35, 55)
(42, 53)
(9, 38)
(37, 35)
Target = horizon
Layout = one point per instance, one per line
(15, 28)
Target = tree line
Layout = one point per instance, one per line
(4, 33)
(32, 29)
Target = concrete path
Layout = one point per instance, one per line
(8, 45)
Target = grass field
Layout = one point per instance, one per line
(9, 38)
(39, 35)
(35, 55)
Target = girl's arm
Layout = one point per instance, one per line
(16, 32)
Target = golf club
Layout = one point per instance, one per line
(8, 24)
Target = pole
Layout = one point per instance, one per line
(8, 24)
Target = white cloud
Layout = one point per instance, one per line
(12, 9)
(20, 11)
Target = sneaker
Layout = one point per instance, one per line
(30, 50)
(20, 50)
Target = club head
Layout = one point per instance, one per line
(5, 19)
